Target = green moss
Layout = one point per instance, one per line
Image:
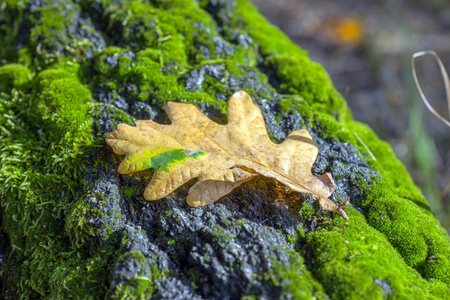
(412, 231)
(167, 32)
(62, 106)
(292, 239)
(14, 76)
(49, 27)
(173, 50)
(249, 298)
(77, 227)
(55, 30)
(194, 278)
(128, 192)
(397, 208)
(306, 211)
(302, 77)
(142, 284)
(11, 19)
(240, 222)
(45, 142)
(294, 279)
(352, 259)
(154, 86)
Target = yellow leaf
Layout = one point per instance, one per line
(222, 157)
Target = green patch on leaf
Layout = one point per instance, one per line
(165, 160)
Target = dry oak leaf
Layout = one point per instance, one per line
(221, 156)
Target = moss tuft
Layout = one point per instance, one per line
(45, 142)
(294, 279)
(14, 76)
(412, 231)
(352, 259)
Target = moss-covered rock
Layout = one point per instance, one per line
(72, 227)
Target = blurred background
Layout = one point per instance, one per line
(366, 47)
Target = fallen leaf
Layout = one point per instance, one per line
(221, 156)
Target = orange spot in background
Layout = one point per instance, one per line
(348, 30)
